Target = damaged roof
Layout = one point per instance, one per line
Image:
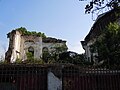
(101, 22)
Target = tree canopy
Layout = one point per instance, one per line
(108, 45)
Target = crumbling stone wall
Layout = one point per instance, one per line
(14, 46)
(20, 43)
(31, 41)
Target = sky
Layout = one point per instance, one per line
(62, 19)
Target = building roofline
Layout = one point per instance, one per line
(53, 40)
(99, 18)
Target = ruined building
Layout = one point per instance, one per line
(96, 31)
(22, 42)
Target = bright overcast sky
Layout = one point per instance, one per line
(63, 19)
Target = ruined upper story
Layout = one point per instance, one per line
(22, 41)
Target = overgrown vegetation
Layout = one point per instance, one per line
(53, 56)
(58, 55)
(32, 60)
(25, 32)
(61, 55)
(108, 46)
(72, 57)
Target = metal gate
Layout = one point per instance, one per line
(34, 77)
(23, 77)
(90, 79)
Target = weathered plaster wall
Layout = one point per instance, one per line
(31, 41)
(87, 48)
(54, 83)
(19, 44)
(16, 46)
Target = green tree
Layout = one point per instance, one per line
(108, 45)
(56, 50)
(53, 55)
(30, 57)
(46, 56)
(72, 57)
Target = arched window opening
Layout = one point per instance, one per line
(45, 54)
(31, 51)
(45, 49)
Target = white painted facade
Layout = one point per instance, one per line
(88, 53)
(21, 45)
(16, 48)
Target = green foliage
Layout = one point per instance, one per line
(46, 56)
(51, 61)
(59, 54)
(53, 55)
(34, 61)
(30, 60)
(71, 57)
(113, 28)
(18, 61)
(108, 45)
(57, 49)
(25, 32)
(30, 56)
